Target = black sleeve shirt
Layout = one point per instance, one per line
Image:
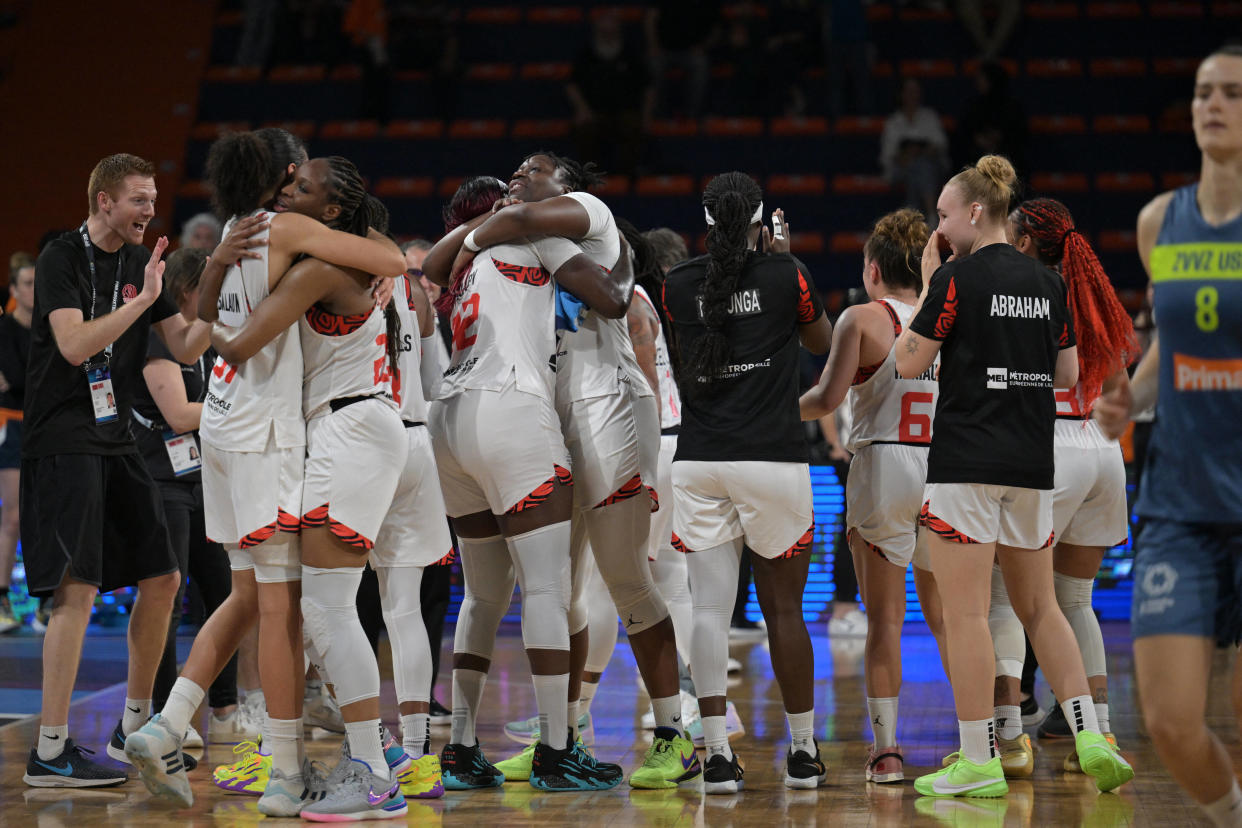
(60, 417)
(1003, 318)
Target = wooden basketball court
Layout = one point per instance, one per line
(927, 731)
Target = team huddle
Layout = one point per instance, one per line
(606, 431)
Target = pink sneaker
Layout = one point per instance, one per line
(885, 765)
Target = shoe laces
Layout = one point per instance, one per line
(244, 749)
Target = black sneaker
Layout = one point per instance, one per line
(1054, 725)
(71, 769)
(722, 776)
(1032, 713)
(116, 750)
(572, 769)
(439, 714)
(464, 767)
(802, 770)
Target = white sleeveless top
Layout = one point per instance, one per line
(344, 356)
(593, 360)
(670, 397)
(504, 325)
(245, 403)
(883, 407)
(1074, 427)
(407, 386)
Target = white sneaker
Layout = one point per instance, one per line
(193, 739)
(851, 625)
(232, 728)
(286, 796)
(155, 751)
(735, 666)
(649, 719)
(319, 709)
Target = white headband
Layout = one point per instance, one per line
(758, 215)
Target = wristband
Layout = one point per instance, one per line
(469, 242)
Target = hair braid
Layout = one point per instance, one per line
(474, 197)
(1105, 332)
(732, 199)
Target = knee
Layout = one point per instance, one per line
(1166, 726)
(162, 589)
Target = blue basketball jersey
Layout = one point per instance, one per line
(1194, 465)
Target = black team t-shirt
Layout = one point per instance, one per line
(14, 353)
(1003, 319)
(752, 414)
(60, 417)
(151, 440)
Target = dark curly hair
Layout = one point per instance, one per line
(243, 167)
(577, 177)
(732, 199)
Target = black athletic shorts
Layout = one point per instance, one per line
(11, 448)
(97, 518)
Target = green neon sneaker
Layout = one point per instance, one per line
(517, 767)
(1101, 761)
(965, 778)
(669, 761)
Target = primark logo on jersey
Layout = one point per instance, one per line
(743, 303)
(1001, 379)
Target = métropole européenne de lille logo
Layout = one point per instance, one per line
(998, 378)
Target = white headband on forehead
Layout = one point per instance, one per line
(757, 216)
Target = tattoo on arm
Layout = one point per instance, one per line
(912, 345)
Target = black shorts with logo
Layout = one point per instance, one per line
(97, 518)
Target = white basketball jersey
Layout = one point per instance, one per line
(407, 387)
(344, 356)
(1074, 426)
(670, 397)
(883, 407)
(246, 402)
(503, 324)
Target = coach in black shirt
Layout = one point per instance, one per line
(91, 518)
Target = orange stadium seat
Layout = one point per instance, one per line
(554, 14)
(490, 72)
(193, 188)
(415, 130)
(928, 68)
(1051, 11)
(1054, 68)
(1116, 241)
(664, 185)
(346, 72)
(303, 129)
(405, 188)
(796, 184)
(1125, 182)
(614, 186)
(349, 129)
(535, 128)
(1114, 10)
(859, 125)
(1112, 124)
(1059, 182)
(811, 242)
(848, 242)
(674, 127)
(296, 73)
(212, 131)
(798, 126)
(879, 12)
(494, 15)
(732, 127)
(233, 74)
(1118, 67)
(481, 128)
(449, 185)
(546, 71)
(971, 67)
(1175, 66)
(1058, 124)
(859, 184)
(1173, 180)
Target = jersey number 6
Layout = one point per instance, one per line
(915, 427)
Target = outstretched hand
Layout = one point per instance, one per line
(240, 241)
(773, 244)
(1112, 410)
(153, 274)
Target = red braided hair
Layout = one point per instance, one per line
(474, 197)
(1106, 340)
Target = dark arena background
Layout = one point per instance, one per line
(1089, 98)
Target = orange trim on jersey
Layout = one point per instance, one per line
(523, 274)
(850, 534)
(319, 517)
(628, 489)
(865, 373)
(892, 314)
(561, 475)
(948, 314)
(940, 527)
(1063, 339)
(284, 522)
(7, 414)
(1053, 539)
(678, 545)
(803, 544)
(329, 324)
(409, 295)
(806, 309)
(655, 499)
(447, 559)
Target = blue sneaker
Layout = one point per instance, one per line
(71, 769)
(398, 760)
(464, 767)
(572, 769)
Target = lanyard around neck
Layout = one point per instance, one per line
(116, 286)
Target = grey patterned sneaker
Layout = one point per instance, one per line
(286, 796)
(155, 751)
(360, 795)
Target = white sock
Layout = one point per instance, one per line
(52, 741)
(1080, 713)
(978, 740)
(883, 713)
(1101, 717)
(551, 693)
(137, 711)
(714, 738)
(467, 696)
(668, 712)
(1008, 720)
(585, 696)
(366, 744)
(183, 700)
(571, 714)
(1226, 812)
(802, 731)
(416, 734)
(283, 739)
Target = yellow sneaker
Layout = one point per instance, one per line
(249, 774)
(1017, 756)
(1071, 764)
(422, 779)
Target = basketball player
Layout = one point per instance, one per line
(1188, 558)
(610, 419)
(889, 436)
(253, 431)
(990, 467)
(740, 474)
(510, 499)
